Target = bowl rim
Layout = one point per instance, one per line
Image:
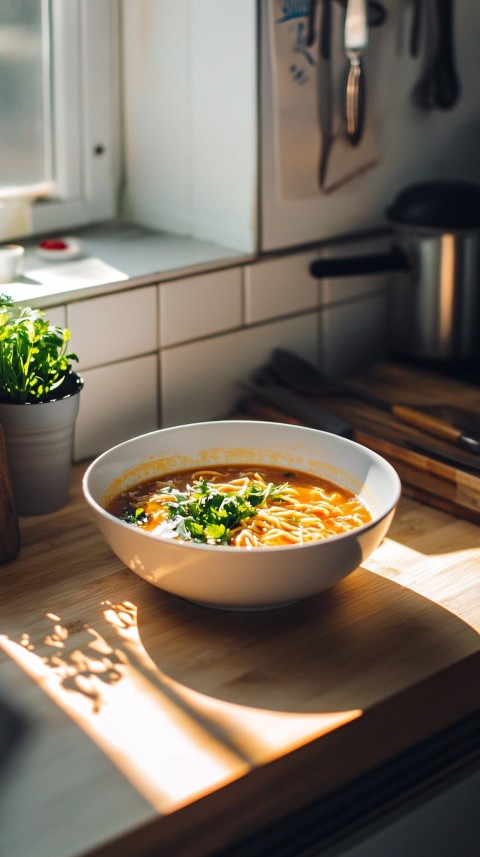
(182, 545)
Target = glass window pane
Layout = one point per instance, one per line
(24, 92)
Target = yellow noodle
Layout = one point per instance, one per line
(309, 510)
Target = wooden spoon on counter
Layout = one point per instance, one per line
(305, 378)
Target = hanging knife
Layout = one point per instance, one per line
(416, 28)
(325, 85)
(356, 43)
(446, 80)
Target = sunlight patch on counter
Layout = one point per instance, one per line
(441, 588)
(60, 279)
(172, 743)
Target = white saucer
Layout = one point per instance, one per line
(71, 250)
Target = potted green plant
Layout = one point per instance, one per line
(38, 406)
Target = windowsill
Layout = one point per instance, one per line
(115, 257)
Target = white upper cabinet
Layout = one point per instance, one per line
(190, 118)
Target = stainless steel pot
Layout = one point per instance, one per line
(436, 243)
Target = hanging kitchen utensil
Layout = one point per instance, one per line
(338, 161)
(415, 30)
(439, 87)
(325, 87)
(293, 369)
(324, 79)
(447, 83)
(355, 44)
(376, 16)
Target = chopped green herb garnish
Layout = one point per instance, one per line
(135, 516)
(205, 514)
(202, 513)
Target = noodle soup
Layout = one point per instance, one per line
(217, 574)
(241, 506)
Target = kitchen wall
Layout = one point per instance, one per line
(174, 352)
(170, 352)
(402, 142)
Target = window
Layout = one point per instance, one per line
(58, 159)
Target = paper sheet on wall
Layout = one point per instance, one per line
(299, 80)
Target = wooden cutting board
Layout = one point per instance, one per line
(449, 488)
(155, 726)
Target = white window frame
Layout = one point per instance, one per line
(86, 165)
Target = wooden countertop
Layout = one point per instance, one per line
(156, 726)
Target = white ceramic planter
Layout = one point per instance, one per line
(39, 444)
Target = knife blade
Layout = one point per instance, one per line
(305, 378)
(309, 412)
(444, 456)
(355, 45)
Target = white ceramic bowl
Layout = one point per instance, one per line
(236, 578)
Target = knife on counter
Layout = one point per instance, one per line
(300, 375)
(445, 457)
(303, 409)
(311, 414)
(355, 45)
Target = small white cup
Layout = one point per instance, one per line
(11, 262)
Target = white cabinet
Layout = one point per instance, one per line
(190, 118)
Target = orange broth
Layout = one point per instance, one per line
(308, 509)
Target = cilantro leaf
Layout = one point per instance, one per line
(135, 516)
(202, 513)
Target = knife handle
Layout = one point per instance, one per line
(438, 428)
(354, 101)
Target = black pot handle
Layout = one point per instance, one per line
(395, 260)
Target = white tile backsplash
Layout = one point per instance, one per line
(117, 402)
(280, 287)
(162, 355)
(353, 335)
(199, 381)
(343, 290)
(334, 290)
(114, 327)
(200, 306)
